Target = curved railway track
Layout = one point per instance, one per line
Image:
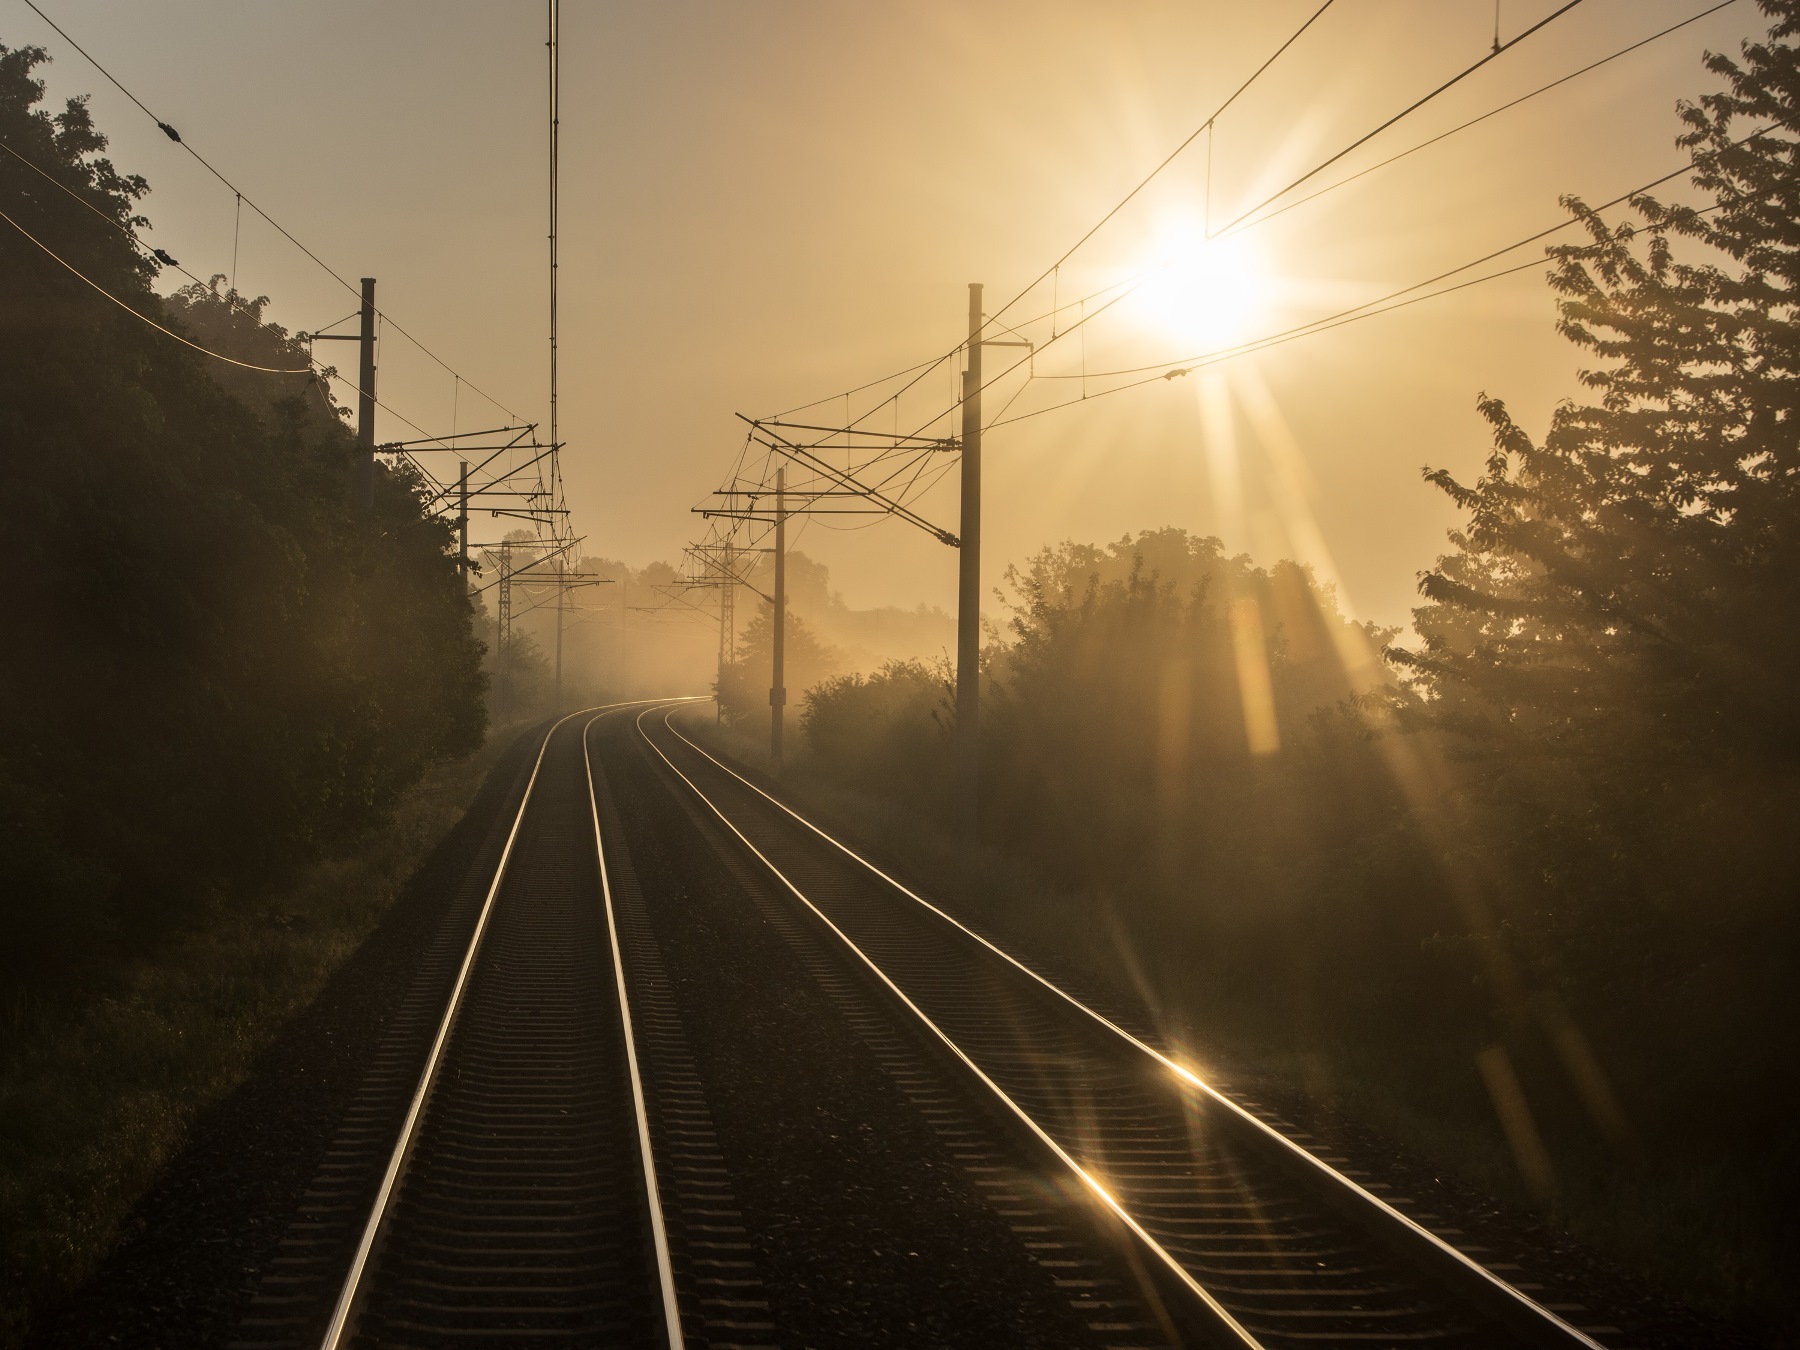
(1270, 1243)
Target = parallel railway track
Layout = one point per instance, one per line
(557, 1178)
(519, 1202)
(1271, 1243)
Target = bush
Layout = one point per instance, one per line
(898, 718)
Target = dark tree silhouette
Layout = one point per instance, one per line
(218, 669)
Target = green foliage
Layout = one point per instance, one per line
(95, 1099)
(221, 669)
(743, 686)
(1119, 757)
(1613, 644)
(1150, 687)
(898, 718)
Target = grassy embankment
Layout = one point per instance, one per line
(98, 1093)
(1692, 1221)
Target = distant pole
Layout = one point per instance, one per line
(561, 591)
(777, 689)
(462, 521)
(554, 16)
(503, 629)
(719, 678)
(727, 629)
(365, 401)
(968, 589)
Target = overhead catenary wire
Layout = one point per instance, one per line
(145, 318)
(162, 259)
(1258, 220)
(1400, 299)
(535, 512)
(320, 371)
(925, 368)
(1491, 112)
(1243, 221)
(1404, 113)
(245, 200)
(1169, 159)
(1081, 324)
(832, 398)
(1317, 168)
(1054, 269)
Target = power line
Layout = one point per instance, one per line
(1087, 318)
(913, 487)
(244, 200)
(1173, 155)
(162, 258)
(1249, 224)
(145, 318)
(832, 398)
(1316, 169)
(1382, 305)
(1244, 222)
(1492, 112)
(1405, 112)
(1361, 140)
(926, 367)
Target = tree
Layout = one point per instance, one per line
(222, 668)
(743, 686)
(1614, 640)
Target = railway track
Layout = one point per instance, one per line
(557, 1176)
(620, 1126)
(1261, 1241)
(519, 1202)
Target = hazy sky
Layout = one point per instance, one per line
(768, 202)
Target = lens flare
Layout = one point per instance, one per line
(1206, 292)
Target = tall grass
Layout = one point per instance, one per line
(98, 1092)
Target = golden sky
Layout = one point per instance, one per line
(768, 202)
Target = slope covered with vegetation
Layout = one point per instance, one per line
(232, 706)
(219, 668)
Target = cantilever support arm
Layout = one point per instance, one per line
(803, 455)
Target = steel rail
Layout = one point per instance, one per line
(1473, 1278)
(345, 1307)
(1221, 1317)
(665, 1268)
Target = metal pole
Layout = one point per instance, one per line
(554, 44)
(968, 589)
(561, 591)
(462, 521)
(365, 401)
(719, 678)
(503, 630)
(777, 689)
(727, 627)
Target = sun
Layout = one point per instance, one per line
(1204, 292)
